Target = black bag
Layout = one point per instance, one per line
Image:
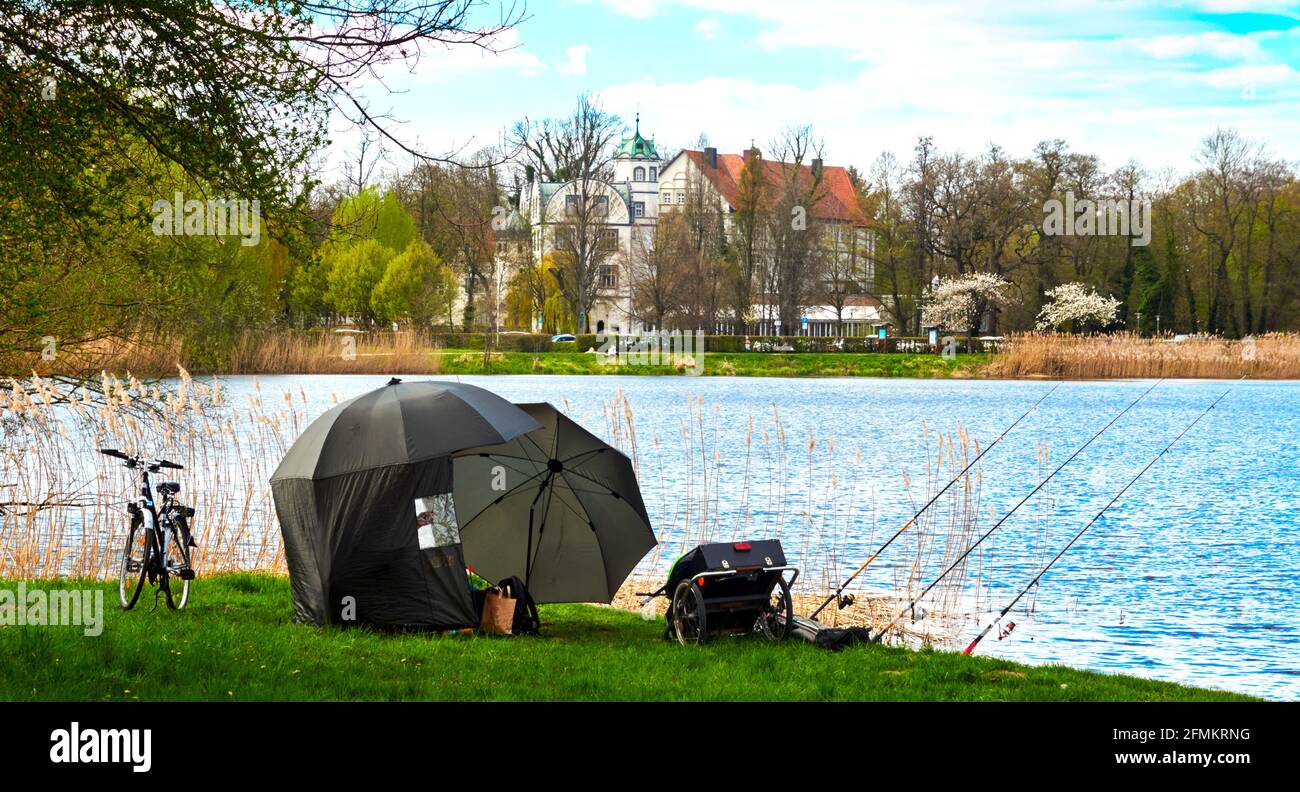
(527, 622)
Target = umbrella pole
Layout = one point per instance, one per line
(528, 556)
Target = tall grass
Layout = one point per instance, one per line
(272, 352)
(1273, 356)
(325, 353)
(827, 526)
(64, 511)
(64, 503)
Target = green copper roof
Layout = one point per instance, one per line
(637, 147)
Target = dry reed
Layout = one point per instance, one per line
(1273, 356)
(274, 352)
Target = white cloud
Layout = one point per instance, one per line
(1014, 73)
(708, 28)
(858, 122)
(577, 62)
(637, 9)
(1225, 46)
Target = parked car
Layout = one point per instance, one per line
(556, 339)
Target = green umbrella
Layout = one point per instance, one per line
(556, 507)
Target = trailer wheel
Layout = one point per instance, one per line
(777, 618)
(689, 620)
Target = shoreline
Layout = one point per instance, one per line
(1273, 357)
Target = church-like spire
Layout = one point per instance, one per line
(637, 147)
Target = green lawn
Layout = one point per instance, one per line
(741, 364)
(238, 642)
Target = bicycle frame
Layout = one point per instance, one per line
(158, 531)
(161, 518)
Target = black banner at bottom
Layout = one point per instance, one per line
(333, 741)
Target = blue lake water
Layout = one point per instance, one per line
(1193, 577)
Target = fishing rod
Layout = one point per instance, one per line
(839, 591)
(1085, 528)
(1014, 509)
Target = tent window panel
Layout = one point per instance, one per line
(435, 520)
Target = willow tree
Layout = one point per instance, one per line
(235, 94)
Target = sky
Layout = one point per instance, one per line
(1118, 78)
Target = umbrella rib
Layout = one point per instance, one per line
(595, 535)
(589, 478)
(584, 453)
(512, 467)
(576, 513)
(545, 453)
(500, 497)
(603, 491)
(495, 455)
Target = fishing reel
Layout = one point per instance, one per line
(846, 600)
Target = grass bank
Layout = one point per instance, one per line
(1274, 356)
(727, 364)
(238, 643)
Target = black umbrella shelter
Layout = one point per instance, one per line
(365, 507)
(556, 507)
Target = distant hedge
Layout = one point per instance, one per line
(712, 343)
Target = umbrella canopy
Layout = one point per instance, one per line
(400, 424)
(556, 507)
(363, 503)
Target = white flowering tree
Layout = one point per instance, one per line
(960, 303)
(1075, 305)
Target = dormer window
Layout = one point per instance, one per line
(638, 175)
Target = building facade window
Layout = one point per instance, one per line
(609, 276)
(668, 198)
(609, 239)
(599, 204)
(638, 174)
(681, 197)
(654, 174)
(638, 208)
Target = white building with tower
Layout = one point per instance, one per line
(643, 185)
(630, 202)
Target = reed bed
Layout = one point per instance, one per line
(1272, 356)
(410, 352)
(276, 352)
(64, 508)
(682, 478)
(64, 516)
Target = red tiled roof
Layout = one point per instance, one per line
(840, 201)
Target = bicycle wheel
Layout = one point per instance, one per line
(689, 618)
(178, 563)
(135, 564)
(777, 617)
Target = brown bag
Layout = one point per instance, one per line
(498, 611)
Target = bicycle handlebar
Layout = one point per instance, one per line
(133, 461)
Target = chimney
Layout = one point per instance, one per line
(711, 157)
(817, 168)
